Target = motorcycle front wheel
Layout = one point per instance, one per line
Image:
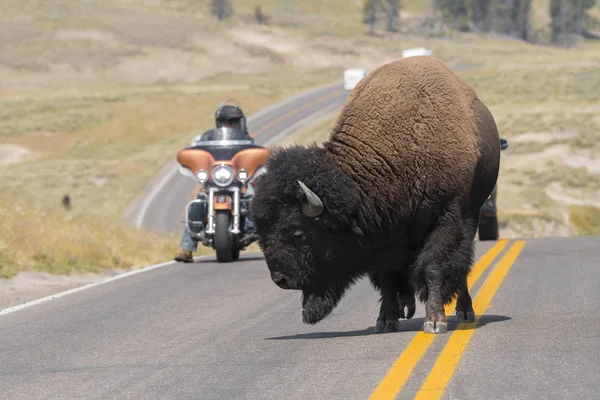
(224, 240)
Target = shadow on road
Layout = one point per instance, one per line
(412, 325)
(325, 335)
(249, 257)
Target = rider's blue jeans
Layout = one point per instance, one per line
(187, 243)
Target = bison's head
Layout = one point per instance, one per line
(306, 212)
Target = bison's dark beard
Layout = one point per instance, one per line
(316, 306)
(322, 292)
(318, 301)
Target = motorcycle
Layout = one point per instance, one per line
(226, 163)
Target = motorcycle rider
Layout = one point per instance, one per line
(225, 116)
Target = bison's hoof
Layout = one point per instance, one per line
(387, 326)
(460, 316)
(392, 326)
(435, 327)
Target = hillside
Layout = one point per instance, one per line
(95, 96)
(68, 42)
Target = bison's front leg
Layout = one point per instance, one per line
(405, 296)
(464, 305)
(389, 312)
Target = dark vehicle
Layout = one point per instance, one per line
(488, 222)
(226, 162)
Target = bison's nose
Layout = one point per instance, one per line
(282, 280)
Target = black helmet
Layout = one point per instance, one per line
(230, 113)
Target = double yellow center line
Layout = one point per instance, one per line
(443, 369)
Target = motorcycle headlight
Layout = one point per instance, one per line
(222, 175)
(202, 176)
(242, 175)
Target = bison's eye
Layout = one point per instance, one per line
(298, 234)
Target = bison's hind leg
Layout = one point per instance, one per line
(441, 270)
(464, 257)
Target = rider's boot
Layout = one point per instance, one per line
(185, 256)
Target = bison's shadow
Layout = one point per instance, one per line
(411, 325)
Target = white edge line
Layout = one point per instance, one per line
(150, 198)
(90, 285)
(160, 185)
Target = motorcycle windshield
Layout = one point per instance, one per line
(223, 143)
(224, 136)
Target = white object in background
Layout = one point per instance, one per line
(416, 51)
(352, 76)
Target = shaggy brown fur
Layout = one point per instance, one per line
(407, 131)
(396, 194)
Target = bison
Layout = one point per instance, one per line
(394, 193)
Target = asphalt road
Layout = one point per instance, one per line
(225, 331)
(209, 331)
(167, 195)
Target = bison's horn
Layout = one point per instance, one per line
(314, 207)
